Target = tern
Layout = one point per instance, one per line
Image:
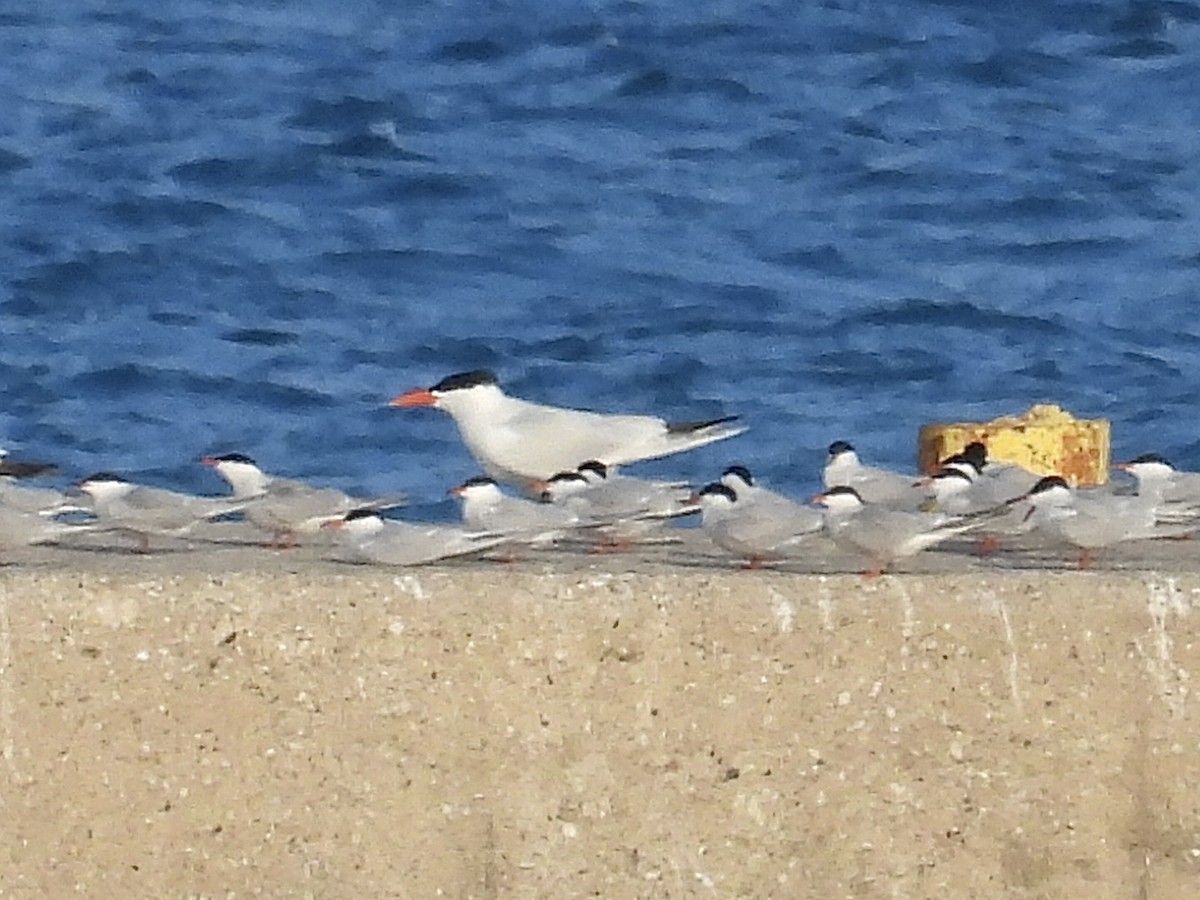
(43, 500)
(373, 539)
(752, 530)
(19, 528)
(601, 493)
(624, 509)
(1092, 520)
(753, 496)
(286, 507)
(876, 486)
(1175, 490)
(522, 443)
(12, 468)
(486, 508)
(121, 505)
(995, 482)
(882, 534)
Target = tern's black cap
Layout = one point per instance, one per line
(233, 458)
(464, 380)
(105, 476)
(1048, 483)
(718, 489)
(595, 467)
(478, 481)
(741, 472)
(1150, 458)
(844, 490)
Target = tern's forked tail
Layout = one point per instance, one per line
(688, 428)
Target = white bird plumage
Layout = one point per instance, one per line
(522, 443)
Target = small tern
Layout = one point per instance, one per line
(883, 534)
(751, 496)
(522, 443)
(876, 486)
(486, 508)
(373, 539)
(13, 468)
(1094, 519)
(601, 493)
(1175, 490)
(753, 530)
(19, 528)
(42, 500)
(286, 507)
(950, 490)
(995, 482)
(624, 509)
(121, 505)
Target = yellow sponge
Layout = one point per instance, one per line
(1047, 440)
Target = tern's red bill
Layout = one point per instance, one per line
(415, 397)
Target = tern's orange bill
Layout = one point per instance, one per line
(415, 397)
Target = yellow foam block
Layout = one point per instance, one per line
(1047, 440)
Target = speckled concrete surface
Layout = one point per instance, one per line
(236, 723)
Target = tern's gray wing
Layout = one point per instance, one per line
(405, 544)
(21, 527)
(755, 530)
(293, 506)
(793, 516)
(623, 498)
(34, 499)
(890, 534)
(880, 487)
(155, 510)
(525, 520)
(1095, 521)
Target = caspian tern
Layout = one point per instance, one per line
(522, 443)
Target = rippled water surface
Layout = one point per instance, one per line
(232, 226)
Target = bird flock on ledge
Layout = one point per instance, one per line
(561, 466)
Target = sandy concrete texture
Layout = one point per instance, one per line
(483, 731)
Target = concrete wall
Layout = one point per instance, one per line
(340, 732)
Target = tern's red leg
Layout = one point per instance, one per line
(987, 546)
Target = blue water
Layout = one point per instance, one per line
(245, 226)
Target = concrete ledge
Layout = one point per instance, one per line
(485, 732)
